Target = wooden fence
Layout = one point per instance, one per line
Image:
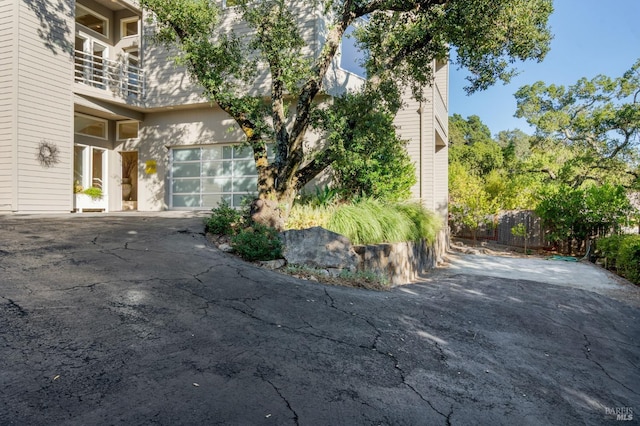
(500, 232)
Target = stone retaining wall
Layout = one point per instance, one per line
(402, 263)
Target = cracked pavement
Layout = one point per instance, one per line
(136, 319)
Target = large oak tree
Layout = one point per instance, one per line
(400, 40)
(597, 121)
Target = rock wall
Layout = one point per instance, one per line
(402, 263)
(399, 263)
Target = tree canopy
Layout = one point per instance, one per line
(400, 39)
(597, 121)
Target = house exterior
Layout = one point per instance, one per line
(88, 100)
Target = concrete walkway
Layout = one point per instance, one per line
(128, 319)
(582, 275)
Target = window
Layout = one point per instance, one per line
(91, 61)
(129, 27)
(133, 84)
(89, 167)
(92, 20)
(204, 176)
(90, 126)
(126, 130)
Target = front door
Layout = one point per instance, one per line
(89, 177)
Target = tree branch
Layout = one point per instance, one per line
(312, 169)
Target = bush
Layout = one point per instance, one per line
(224, 220)
(426, 223)
(371, 222)
(623, 254)
(304, 216)
(628, 261)
(257, 242)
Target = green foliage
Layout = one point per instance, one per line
(597, 121)
(369, 221)
(469, 131)
(304, 216)
(486, 35)
(469, 203)
(520, 230)
(623, 254)
(369, 277)
(365, 279)
(426, 224)
(609, 247)
(575, 214)
(93, 192)
(365, 154)
(224, 220)
(257, 242)
(501, 168)
(325, 197)
(401, 41)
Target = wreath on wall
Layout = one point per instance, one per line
(48, 153)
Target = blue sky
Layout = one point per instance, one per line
(591, 37)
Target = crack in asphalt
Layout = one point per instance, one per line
(393, 358)
(296, 419)
(196, 276)
(561, 324)
(16, 307)
(587, 354)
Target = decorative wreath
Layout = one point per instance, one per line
(47, 153)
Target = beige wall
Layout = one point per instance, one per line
(8, 63)
(169, 85)
(36, 104)
(161, 131)
(421, 123)
(43, 111)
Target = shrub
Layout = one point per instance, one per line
(628, 261)
(426, 223)
(371, 222)
(257, 242)
(608, 247)
(224, 220)
(304, 216)
(623, 254)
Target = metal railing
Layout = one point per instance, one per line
(120, 77)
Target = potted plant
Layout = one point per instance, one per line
(88, 198)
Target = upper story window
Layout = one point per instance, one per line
(92, 20)
(129, 27)
(90, 126)
(127, 130)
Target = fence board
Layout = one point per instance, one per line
(500, 232)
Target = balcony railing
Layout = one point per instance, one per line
(121, 77)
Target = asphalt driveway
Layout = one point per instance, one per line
(128, 319)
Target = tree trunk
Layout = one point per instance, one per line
(272, 208)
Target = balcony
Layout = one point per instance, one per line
(123, 78)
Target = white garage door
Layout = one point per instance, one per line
(203, 176)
